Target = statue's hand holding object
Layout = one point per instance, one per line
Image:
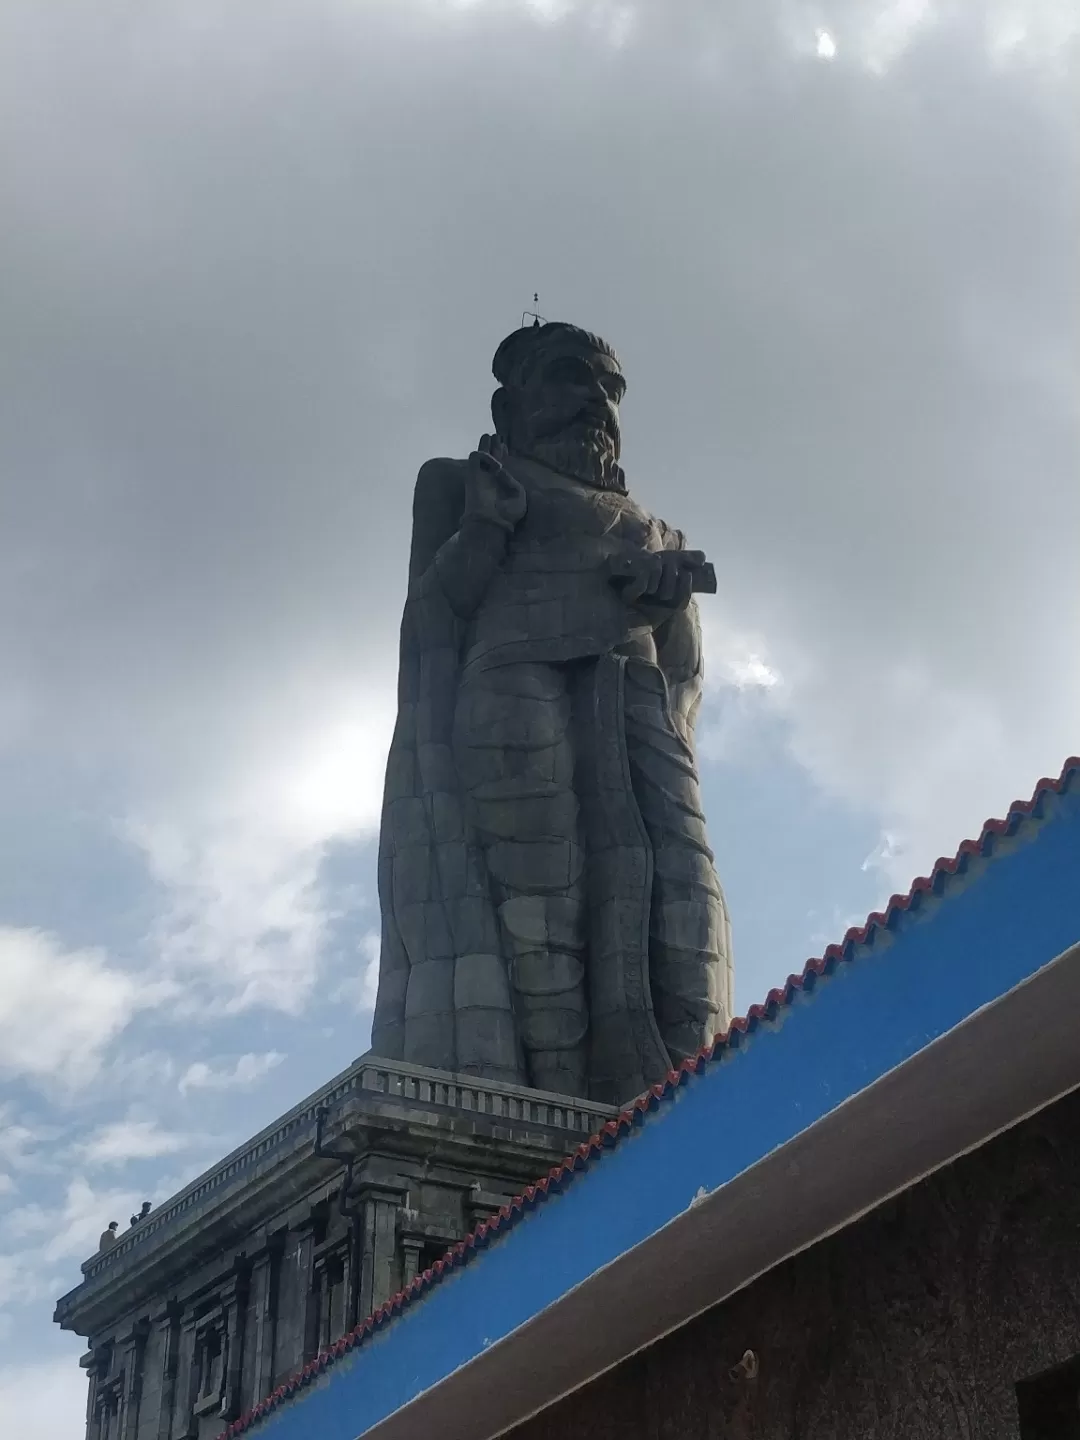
(662, 580)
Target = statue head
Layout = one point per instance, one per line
(558, 401)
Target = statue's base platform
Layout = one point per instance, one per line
(200, 1310)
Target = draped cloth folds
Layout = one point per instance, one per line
(658, 946)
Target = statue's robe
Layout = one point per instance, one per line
(656, 910)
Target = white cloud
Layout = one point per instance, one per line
(238, 859)
(44, 1399)
(884, 852)
(551, 10)
(242, 919)
(1026, 30)
(60, 1009)
(246, 1070)
(844, 339)
(137, 1072)
(888, 30)
(839, 922)
(20, 1284)
(29, 1151)
(937, 760)
(131, 1139)
(360, 991)
(735, 657)
(16, 1142)
(68, 1230)
(743, 687)
(753, 673)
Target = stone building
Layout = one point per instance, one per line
(201, 1309)
(855, 1216)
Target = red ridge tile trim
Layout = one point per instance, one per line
(633, 1116)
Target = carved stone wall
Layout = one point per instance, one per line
(917, 1323)
(230, 1287)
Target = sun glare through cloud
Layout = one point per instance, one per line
(753, 673)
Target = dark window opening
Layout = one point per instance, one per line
(1049, 1403)
(328, 1300)
(107, 1411)
(332, 1301)
(428, 1255)
(211, 1367)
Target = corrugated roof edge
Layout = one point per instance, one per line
(561, 1175)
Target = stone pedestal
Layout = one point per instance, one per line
(215, 1298)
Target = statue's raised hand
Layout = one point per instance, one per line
(491, 492)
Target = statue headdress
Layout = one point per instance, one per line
(529, 345)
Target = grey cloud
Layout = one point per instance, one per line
(254, 260)
(261, 257)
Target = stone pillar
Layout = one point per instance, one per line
(354, 1267)
(95, 1363)
(289, 1330)
(265, 1281)
(234, 1297)
(410, 1260)
(329, 1292)
(380, 1269)
(168, 1323)
(187, 1381)
(133, 1357)
(308, 1312)
(106, 1394)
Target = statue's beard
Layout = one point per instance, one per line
(587, 455)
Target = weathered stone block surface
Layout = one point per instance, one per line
(917, 1323)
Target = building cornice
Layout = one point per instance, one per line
(406, 1109)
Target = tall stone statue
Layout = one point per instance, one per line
(550, 911)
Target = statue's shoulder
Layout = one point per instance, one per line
(439, 496)
(438, 504)
(441, 474)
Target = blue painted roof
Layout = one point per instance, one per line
(976, 927)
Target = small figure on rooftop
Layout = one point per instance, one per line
(108, 1237)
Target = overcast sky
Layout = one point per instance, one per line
(255, 258)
